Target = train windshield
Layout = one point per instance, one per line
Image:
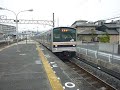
(64, 35)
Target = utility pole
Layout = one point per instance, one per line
(58, 22)
(53, 21)
(119, 40)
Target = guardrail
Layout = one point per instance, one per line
(99, 55)
(10, 41)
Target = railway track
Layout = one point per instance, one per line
(90, 78)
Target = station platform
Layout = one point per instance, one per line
(33, 68)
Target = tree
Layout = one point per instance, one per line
(105, 38)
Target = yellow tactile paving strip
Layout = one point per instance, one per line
(55, 83)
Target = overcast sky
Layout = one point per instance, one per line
(66, 11)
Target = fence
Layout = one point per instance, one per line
(106, 52)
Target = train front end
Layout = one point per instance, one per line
(64, 41)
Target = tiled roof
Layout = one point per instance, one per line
(111, 25)
(114, 32)
(87, 32)
(83, 23)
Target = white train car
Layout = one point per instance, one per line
(60, 40)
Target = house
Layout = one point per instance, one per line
(86, 31)
(112, 29)
(90, 32)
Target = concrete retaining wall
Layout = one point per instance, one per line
(103, 63)
(112, 48)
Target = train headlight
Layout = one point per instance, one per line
(55, 45)
(74, 45)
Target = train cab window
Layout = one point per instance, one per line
(64, 35)
(56, 35)
(70, 35)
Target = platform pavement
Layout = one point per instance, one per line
(22, 70)
(31, 69)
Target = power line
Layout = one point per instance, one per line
(113, 18)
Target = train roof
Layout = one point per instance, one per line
(54, 28)
(65, 27)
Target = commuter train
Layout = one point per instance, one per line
(61, 41)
